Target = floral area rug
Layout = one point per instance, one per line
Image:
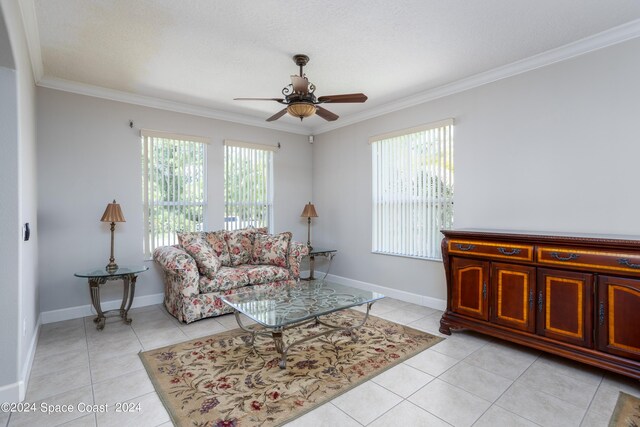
(627, 411)
(219, 380)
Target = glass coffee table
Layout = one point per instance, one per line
(282, 308)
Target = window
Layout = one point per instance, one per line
(412, 190)
(174, 178)
(248, 188)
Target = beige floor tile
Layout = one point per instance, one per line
(85, 421)
(64, 325)
(102, 370)
(66, 334)
(409, 415)
(606, 397)
(104, 351)
(326, 415)
(430, 324)
(503, 359)
(202, 328)
(162, 338)
(450, 403)
(431, 362)
(366, 402)
(122, 388)
(47, 365)
(460, 345)
(229, 322)
(143, 411)
(401, 316)
(484, 384)
(58, 381)
(421, 309)
(541, 378)
(570, 368)
(4, 418)
(497, 417)
(540, 407)
(53, 418)
(403, 380)
(52, 348)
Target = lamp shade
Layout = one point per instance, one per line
(301, 109)
(113, 213)
(309, 211)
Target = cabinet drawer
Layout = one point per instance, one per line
(491, 249)
(586, 259)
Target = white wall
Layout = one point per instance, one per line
(553, 149)
(19, 309)
(88, 155)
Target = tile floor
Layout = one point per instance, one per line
(468, 379)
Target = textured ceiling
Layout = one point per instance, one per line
(205, 53)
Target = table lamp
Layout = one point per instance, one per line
(309, 212)
(112, 214)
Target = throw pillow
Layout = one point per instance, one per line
(218, 242)
(269, 249)
(195, 245)
(240, 244)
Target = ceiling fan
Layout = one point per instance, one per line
(300, 99)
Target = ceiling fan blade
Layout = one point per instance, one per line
(277, 115)
(281, 100)
(300, 84)
(348, 97)
(326, 114)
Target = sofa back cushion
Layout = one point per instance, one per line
(271, 249)
(218, 242)
(240, 244)
(195, 245)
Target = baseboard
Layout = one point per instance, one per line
(438, 304)
(87, 310)
(25, 372)
(17, 391)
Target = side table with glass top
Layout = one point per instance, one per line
(313, 253)
(99, 276)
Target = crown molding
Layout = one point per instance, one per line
(597, 41)
(30, 24)
(163, 104)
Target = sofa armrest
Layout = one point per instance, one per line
(181, 267)
(297, 251)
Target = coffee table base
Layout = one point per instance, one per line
(277, 333)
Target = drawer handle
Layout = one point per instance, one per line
(601, 313)
(540, 302)
(484, 290)
(557, 256)
(627, 263)
(531, 298)
(465, 248)
(513, 251)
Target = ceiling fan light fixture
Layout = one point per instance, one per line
(301, 109)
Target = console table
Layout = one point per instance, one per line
(313, 253)
(100, 276)
(573, 295)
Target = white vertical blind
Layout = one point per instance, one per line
(248, 185)
(412, 197)
(174, 187)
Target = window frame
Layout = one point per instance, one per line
(148, 139)
(269, 191)
(398, 192)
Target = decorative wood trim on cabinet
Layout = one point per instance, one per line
(574, 309)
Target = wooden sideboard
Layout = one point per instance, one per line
(576, 296)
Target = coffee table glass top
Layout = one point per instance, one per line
(277, 307)
(121, 271)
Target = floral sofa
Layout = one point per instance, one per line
(206, 265)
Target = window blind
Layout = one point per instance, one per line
(412, 190)
(174, 177)
(248, 189)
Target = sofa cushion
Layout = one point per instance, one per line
(226, 278)
(195, 245)
(259, 274)
(269, 249)
(218, 242)
(240, 244)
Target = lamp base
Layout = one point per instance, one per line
(112, 267)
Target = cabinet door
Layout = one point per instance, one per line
(512, 296)
(469, 293)
(619, 316)
(565, 306)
